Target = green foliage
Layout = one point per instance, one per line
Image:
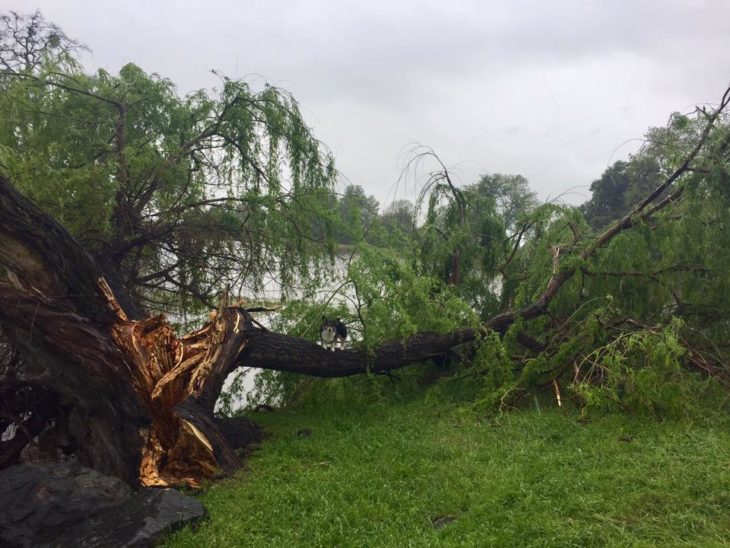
(644, 372)
(641, 310)
(620, 187)
(357, 213)
(394, 229)
(498, 371)
(394, 300)
(648, 310)
(550, 244)
(512, 195)
(382, 299)
(462, 243)
(180, 196)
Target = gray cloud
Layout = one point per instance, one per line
(549, 90)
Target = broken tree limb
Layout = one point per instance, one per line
(643, 211)
(179, 380)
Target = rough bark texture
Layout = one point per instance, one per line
(51, 311)
(270, 350)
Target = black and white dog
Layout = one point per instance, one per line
(332, 332)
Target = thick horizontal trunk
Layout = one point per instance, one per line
(269, 350)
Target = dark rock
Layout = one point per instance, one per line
(144, 519)
(304, 433)
(66, 504)
(37, 501)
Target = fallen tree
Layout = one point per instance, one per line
(141, 400)
(138, 401)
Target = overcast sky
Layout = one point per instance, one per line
(555, 91)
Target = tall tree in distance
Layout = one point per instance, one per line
(395, 226)
(469, 232)
(357, 212)
(511, 193)
(620, 187)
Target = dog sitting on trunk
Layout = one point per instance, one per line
(332, 332)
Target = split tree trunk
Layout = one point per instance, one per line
(141, 400)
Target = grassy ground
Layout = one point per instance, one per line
(414, 474)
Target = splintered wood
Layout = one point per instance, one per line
(167, 371)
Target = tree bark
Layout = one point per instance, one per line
(52, 313)
(279, 352)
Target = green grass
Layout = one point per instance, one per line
(381, 475)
